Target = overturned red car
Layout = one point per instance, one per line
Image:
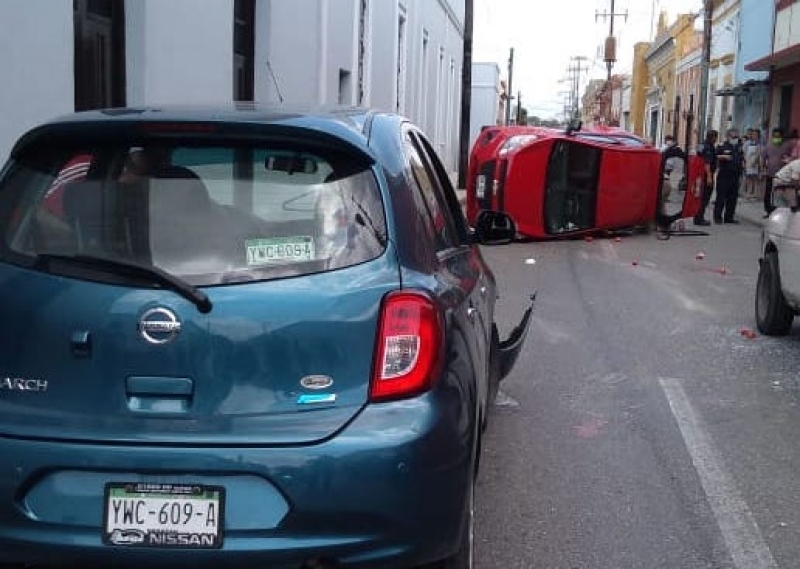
(557, 183)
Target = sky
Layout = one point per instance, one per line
(546, 34)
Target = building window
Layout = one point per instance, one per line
(451, 96)
(363, 51)
(99, 53)
(244, 47)
(726, 119)
(422, 103)
(401, 61)
(440, 96)
(653, 131)
(345, 87)
(786, 96)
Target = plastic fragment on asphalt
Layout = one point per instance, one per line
(634, 263)
(700, 256)
(748, 333)
(588, 238)
(530, 261)
(618, 239)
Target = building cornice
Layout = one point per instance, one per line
(726, 59)
(459, 25)
(725, 9)
(660, 43)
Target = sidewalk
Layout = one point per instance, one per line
(746, 212)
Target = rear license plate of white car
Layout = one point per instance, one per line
(280, 250)
(163, 515)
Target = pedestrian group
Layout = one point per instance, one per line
(767, 171)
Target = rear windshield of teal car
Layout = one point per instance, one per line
(209, 215)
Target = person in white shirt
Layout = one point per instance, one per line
(786, 183)
(753, 163)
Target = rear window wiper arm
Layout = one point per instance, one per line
(123, 268)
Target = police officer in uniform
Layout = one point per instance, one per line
(707, 151)
(729, 174)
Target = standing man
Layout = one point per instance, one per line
(729, 175)
(707, 151)
(775, 154)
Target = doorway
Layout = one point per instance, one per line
(99, 53)
(785, 107)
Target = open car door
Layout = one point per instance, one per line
(681, 189)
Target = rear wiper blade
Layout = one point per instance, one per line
(134, 270)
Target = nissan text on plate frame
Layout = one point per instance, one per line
(252, 338)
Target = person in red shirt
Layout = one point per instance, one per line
(73, 171)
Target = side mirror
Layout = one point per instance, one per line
(494, 228)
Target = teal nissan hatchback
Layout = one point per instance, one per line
(241, 337)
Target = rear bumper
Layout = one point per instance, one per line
(389, 488)
(511, 346)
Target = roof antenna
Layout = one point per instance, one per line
(275, 81)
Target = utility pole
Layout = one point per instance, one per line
(466, 96)
(705, 61)
(576, 82)
(610, 52)
(609, 56)
(566, 100)
(510, 85)
(519, 107)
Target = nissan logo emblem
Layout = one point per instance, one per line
(159, 326)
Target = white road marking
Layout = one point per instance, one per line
(736, 522)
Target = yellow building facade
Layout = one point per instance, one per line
(659, 101)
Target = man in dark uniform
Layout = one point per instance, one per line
(729, 174)
(707, 151)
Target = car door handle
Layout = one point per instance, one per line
(159, 394)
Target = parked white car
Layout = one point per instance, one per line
(778, 289)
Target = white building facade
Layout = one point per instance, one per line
(486, 91)
(721, 75)
(659, 57)
(625, 94)
(397, 55)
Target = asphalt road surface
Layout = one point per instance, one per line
(642, 426)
